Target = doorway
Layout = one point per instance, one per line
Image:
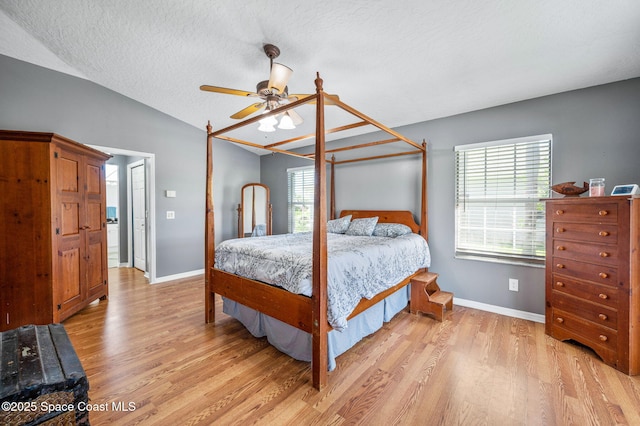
(113, 226)
(148, 241)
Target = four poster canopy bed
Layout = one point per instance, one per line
(316, 294)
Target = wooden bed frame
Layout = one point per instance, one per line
(306, 313)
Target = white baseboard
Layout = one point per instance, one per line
(178, 276)
(457, 301)
(500, 310)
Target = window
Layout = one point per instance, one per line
(499, 184)
(300, 208)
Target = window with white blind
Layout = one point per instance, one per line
(300, 189)
(499, 184)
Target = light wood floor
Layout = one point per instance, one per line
(148, 346)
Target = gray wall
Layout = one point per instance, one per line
(596, 133)
(37, 99)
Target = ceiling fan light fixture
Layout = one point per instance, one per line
(267, 124)
(279, 76)
(265, 127)
(286, 122)
(269, 121)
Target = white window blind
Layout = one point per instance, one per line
(499, 184)
(300, 189)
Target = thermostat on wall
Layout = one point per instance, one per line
(630, 189)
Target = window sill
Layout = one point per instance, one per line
(532, 264)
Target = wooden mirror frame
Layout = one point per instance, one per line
(244, 204)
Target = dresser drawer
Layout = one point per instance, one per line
(593, 213)
(590, 253)
(583, 330)
(597, 313)
(596, 293)
(597, 273)
(593, 232)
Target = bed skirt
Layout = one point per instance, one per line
(297, 343)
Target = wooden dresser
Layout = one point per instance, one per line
(593, 277)
(53, 247)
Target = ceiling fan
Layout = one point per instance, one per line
(273, 93)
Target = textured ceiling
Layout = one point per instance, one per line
(399, 62)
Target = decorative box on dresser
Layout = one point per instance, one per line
(53, 247)
(593, 276)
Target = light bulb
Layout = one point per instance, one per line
(286, 122)
(266, 127)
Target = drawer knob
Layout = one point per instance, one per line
(604, 254)
(559, 284)
(559, 212)
(559, 230)
(603, 275)
(560, 266)
(559, 320)
(603, 233)
(560, 248)
(603, 296)
(603, 317)
(603, 212)
(603, 338)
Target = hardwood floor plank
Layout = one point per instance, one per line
(148, 345)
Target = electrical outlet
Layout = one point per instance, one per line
(513, 284)
(171, 215)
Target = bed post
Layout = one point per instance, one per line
(424, 224)
(332, 212)
(320, 326)
(209, 244)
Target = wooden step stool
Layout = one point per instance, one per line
(427, 297)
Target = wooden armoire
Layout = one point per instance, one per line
(53, 242)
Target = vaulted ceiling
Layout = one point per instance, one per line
(399, 62)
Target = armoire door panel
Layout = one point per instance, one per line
(68, 172)
(69, 219)
(94, 216)
(70, 275)
(96, 266)
(93, 179)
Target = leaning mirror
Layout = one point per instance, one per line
(254, 211)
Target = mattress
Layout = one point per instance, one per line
(358, 266)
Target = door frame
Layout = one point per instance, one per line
(118, 221)
(130, 229)
(150, 187)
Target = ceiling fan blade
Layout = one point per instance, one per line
(248, 110)
(326, 101)
(295, 117)
(279, 76)
(227, 91)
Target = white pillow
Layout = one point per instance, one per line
(391, 230)
(339, 226)
(362, 227)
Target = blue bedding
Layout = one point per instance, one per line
(358, 267)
